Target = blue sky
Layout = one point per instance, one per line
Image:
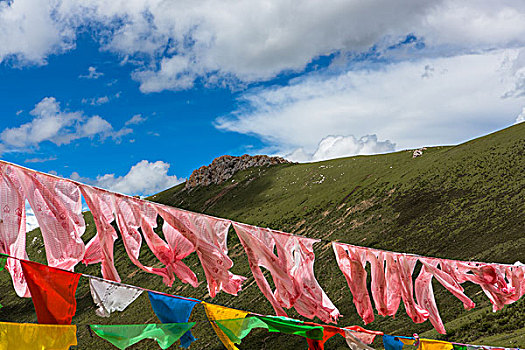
(175, 127)
(135, 95)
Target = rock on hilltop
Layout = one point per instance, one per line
(223, 168)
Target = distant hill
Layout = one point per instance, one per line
(460, 202)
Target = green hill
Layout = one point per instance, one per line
(460, 202)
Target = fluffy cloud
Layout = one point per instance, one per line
(460, 97)
(136, 119)
(29, 32)
(175, 43)
(92, 74)
(144, 178)
(51, 123)
(342, 146)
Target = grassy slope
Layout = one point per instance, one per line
(462, 202)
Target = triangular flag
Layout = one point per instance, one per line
(290, 326)
(328, 332)
(237, 329)
(29, 336)
(123, 336)
(431, 344)
(391, 342)
(365, 335)
(217, 313)
(111, 297)
(354, 342)
(53, 292)
(460, 347)
(170, 309)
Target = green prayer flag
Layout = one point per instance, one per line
(3, 261)
(459, 347)
(291, 326)
(237, 329)
(123, 336)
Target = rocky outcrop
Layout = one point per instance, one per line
(223, 168)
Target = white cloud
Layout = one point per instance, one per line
(31, 221)
(461, 99)
(95, 125)
(144, 178)
(29, 33)
(40, 160)
(92, 74)
(173, 44)
(96, 101)
(122, 132)
(332, 147)
(51, 123)
(136, 119)
(521, 117)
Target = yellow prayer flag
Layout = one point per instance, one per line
(217, 312)
(430, 344)
(407, 341)
(31, 336)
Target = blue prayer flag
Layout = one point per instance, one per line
(173, 310)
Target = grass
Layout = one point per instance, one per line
(461, 202)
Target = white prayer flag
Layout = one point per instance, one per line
(355, 343)
(111, 297)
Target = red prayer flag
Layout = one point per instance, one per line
(53, 292)
(329, 332)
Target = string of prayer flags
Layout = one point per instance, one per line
(123, 336)
(30, 336)
(111, 297)
(174, 310)
(57, 204)
(216, 313)
(53, 292)
(392, 281)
